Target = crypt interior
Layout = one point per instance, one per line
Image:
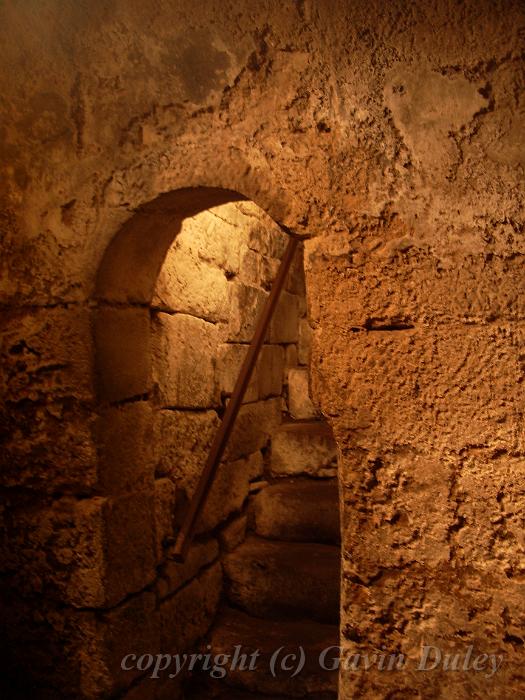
(263, 349)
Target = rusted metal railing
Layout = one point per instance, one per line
(218, 446)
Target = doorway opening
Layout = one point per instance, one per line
(179, 294)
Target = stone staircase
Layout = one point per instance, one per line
(282, 592)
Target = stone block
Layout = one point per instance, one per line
(86, 553)
(300, 579)
(284, 327)
(307, 448)
(250, 267)
(268, 271)
(298, 510)
(187, 615)
(184, 440)
(165, 504)
(131, 628)
(233, 534)
(184, 351)
(175, 574)
(253, 427)
(126, 447)
(270, 371)
(255, 465)
(129, 532)
(192, 286)
(230, 359)
(267, 636)
(59, 548)
(305, 342)
(292, 356)
(246, 304)
(213, 236)
(122, 337)
(299, 402)
(49, 447)
(295, 284)
(46, 354)
(227, 494)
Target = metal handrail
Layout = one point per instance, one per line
(218, 446)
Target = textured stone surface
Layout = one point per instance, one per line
(267, 636)
(229, 362)
(234, 533)
(174, 574)
(303, 447)
(284, 579)
(192, 286)
(253, 427)
(298, 510)
(299, 400)
(246, 304)
(123, 352)
(184, 350)
(393, 132)
(184, 439)
(186, 616)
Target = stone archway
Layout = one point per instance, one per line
(132, 320)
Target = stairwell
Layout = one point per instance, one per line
(282, 583)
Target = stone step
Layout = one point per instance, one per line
(298, 510)
(288, 580)
(234, 629)
(303, 447)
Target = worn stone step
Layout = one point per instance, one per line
(284, 579)
(234, 628)
(303, 447)
(299, 510)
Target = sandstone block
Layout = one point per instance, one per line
(165, 504)
(268, 271)
(132, 628)
(233, 534)
(174, 574)
(300, 580)
(49, 447)
(284, 327)
(246, 304)
(184, 350)
(87, 553)
(230, 359)
(122, 337)
(227, 495)
(213, 236)
(299, 402)
(292, 357)
(298, 510)
(253, 427)
(305, 342)
(184, 440)
(187, 615)
(255, 465)
(46, 354)
(295, 284)
(126, 447)
(307, 448)
(189, 285)
(267, 636)
(250, 267)
(129, 544)
(270, 371)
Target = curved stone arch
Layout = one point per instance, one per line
(126, 280)
(124, 290)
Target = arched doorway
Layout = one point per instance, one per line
(178, 295)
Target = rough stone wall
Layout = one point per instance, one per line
(393, 132)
